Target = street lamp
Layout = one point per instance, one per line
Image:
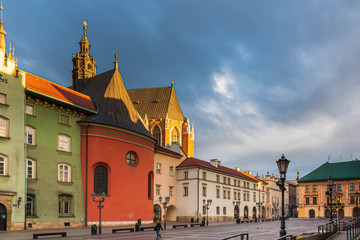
(167, 200)
(207, 203)
(329, 192)
(100, 206)
(236, 204)
(357, 201)
(259, 203)
(283, 164)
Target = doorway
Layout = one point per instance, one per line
(157, 212)
(2, 218)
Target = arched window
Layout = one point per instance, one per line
(100, 180)
(3, 165)
(31, 168)
(150, 185)
(4, 127)
(156, 134)
(30, 135)
(311, 213)
(64, 172)
(246, 212)
(174, 135)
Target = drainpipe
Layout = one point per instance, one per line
(198, 178)
(86, 174)
(25, 154)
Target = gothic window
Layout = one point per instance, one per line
(156, 134)
(174, 135)
(100, 180)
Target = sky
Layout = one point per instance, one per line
(257, 79)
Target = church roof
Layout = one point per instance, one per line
(194, 162)
(113, 102)
(338, 170)
(156, 102)
(57, 92)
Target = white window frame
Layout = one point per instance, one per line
(3, 96)
(30, 110)
(158, 189)
(4, 163)
(4, 127)
(30, 131)
(158, 168)
(61, 143)
(33, 168)
(62, 171)
(186, 191)
(171, 171)
(171, 191)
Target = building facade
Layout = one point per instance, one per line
(315, 203)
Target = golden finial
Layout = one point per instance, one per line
(85, 24)
(116, 56)
(172, 82)
(116, 62)
(1, 7)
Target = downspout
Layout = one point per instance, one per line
(198, 178)
(25, 154)
(86, 174)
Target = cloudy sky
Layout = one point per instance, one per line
(256, 78)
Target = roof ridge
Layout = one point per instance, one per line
(147, 88)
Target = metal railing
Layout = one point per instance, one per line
(287, 237)
(241, 235)
(353, 229)
(328, 229)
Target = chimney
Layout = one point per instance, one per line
(215, 162)
(237, 169)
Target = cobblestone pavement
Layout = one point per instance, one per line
(256, 231)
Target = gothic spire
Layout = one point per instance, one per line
(2, 31)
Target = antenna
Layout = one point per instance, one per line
(351, 158)
(340, 157)
(328, 158)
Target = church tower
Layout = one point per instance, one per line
(7, 57)
(84, 66)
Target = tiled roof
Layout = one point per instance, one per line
(47, 88)
(194, 162)
(167, 151)
(338, 170)
(156, 102)
(113, 103)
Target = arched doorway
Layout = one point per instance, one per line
(334, 213)
(157, 212)
(171, 213)
(356, 212)
(236, 212)
(254, 212)
(327, 213)
(341, 213)
(2, 218)
(311, 213)
(246, 212)
(263, 212)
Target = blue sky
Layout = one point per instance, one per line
(256, 78)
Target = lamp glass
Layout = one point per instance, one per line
(103, 195)
(330, 181)
(283, 164)
(93, 195)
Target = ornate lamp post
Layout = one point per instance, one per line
(329, 192)
(283, 164)
(167, 200)
(357, 201)
(100, 206)
(207, 203)
(236, 204)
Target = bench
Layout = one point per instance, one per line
(180, 225)
(143, 228)
(36, 235)
(196, 224)
(122, 229)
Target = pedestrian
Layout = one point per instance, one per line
(157, 229)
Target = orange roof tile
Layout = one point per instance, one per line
(56, 91)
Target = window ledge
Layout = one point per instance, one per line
(66, 216)
(4, 105)
(65, 183)
(32, 217)
(31, 145)
(4, 138)
(64, 124)
(5, 176)
(33, 179)
(30, 115)
(65, 152)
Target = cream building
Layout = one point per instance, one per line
(200, 180)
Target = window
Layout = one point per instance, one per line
(131, 159)
(338, 187)
(158, 168)
(4, 127)
(64, 143)
(352, 199)
(204, 210)
(229, 194)
(30, 135)
(239, 196)
(3, 165)
(157, 135)
(307, 188)
(150, 185)
(158, 189)
(29, 209)
(247, 185)
(239, 183)
(204, 191)
(217, 178)
(244, 184)
(63, 119)
(235, 195)
(64, 173)
(171, 171)
(186, 175)
(171, 188)
(235, 182)
(224, 179)
(314, 200)
(217, 210)
(314, 188)
(31, 168)
(307, 201)
(64, 205)
(101, 180)
(174, 135)
(224, 194)
(186, 191)
(244, 196)
(254, 195)
(3, 98)
(352, 186)
(204, 175)
(229, 181)
(217, 192)
(248, 197)
(254, 186)
(224, 210)
(30, 110)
